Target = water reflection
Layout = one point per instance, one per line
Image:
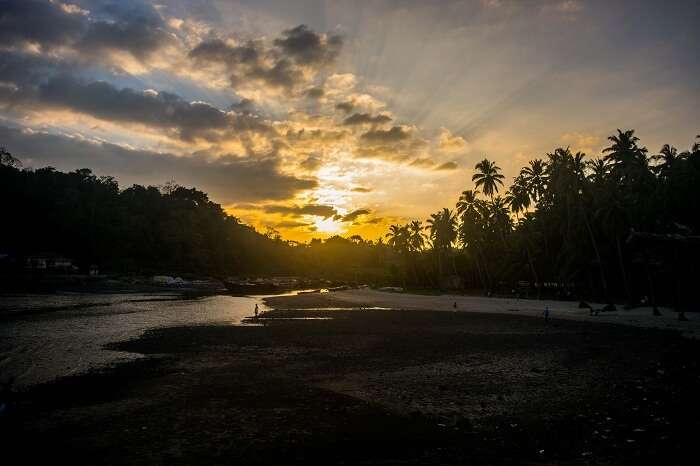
(43, 337)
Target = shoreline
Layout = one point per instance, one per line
(374, 386)
(567, 310)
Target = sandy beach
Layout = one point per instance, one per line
(371, 386)
(568, 310)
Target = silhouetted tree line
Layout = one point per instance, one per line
(138, 229)
(165, 229)
(621, 226)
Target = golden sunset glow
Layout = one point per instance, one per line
(314, 124)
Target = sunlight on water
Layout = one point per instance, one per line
(43, 337)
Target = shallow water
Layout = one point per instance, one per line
(43, 337)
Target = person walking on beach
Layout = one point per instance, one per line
(454, 306)
(256, 310)
(546, 314)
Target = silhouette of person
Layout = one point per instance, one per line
(546, 313)
(455, 305)
(256, 310)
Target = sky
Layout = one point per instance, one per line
(323, 117)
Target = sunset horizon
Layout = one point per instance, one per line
(324, 118)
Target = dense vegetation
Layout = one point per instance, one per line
(620, 226)
(139, 229)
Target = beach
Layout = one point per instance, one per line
(372, 386)
(568, 310)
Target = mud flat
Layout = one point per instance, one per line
(374, 387)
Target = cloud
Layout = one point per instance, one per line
(317, 210)
(422, 163)
(447, 166)
(294, 58)
(163, 110)
(308, 48)
(395, 134)
(311, 163)
(365, 118)
(361, 189)
(448, 143)
(314, 93)
(352, 216)
(227, 179)
(292, 224)
(346, 106)
(133, 27)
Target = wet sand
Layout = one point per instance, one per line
(569, 310)
(374, 387)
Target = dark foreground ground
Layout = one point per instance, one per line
(374, 387)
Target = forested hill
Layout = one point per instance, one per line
(138, 229)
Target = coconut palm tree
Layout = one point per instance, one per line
(467, 203)
(518, 197)
(487, 177)
(535, 178)
(629, 161)
(667, 159)
(416, 240)
(499, 217)
(599, 170)
(442, 226)
(398, 238)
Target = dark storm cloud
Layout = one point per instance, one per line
(227, 179)
(395, 134)
(317, 210)
(365, 118)
(279, 66)
(308, 48)
(129, 26)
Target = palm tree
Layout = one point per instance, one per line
(535, 178)
(398, 238)
(487, 177)
(599, 170)
(499, 217)
(416, 240)
(518, 197)
(629, 161)
(443, 232)
(467, 203)
(667, 158)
